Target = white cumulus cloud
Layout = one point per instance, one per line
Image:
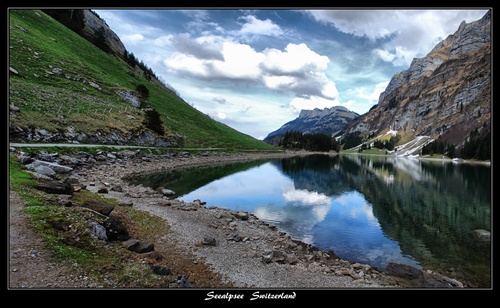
(261, 27)
(133, 38)
(306, 197)
(221, 115)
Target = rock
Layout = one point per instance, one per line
(161, 270)
(483, 235)
(404, 271)
(98, 231)
(100, 207)
(25, 160)
(138, 246)
(421, 279)
(55, 187)
(167, 192)
(116, 230)
(241, 215)
(209, 241)
(54, 166)
(183, 282)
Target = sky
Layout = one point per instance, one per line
(256, 69)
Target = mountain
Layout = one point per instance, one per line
(328, 121)
(444, 96)
(71, 80)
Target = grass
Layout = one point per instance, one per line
(53, 89)
(373, 151)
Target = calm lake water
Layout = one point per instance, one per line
(368, 209)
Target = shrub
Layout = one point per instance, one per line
(143, 91)
(153, 121)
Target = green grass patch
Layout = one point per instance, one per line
(19, 178)
(375, 151)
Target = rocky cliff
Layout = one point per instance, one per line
(446, 94)
(325, 121)
(95, 26)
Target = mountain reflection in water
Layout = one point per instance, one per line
(367, 209)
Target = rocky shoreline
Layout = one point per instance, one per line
(246, 251)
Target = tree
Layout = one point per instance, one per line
(143, 91)
(351, 140)
(129, 58)
(478, 145)
(73, 19)
(100, 40)
(310, 142)
(153, 121)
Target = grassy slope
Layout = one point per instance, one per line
(38, 43)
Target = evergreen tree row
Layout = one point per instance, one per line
(478, 146)
(295, 140)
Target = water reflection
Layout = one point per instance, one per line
(350, 227)
(368, 209)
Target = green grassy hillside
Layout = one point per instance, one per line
(61, 80)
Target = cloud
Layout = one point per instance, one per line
(297, 69)
(219, 99)
(163, 40)
(298, 104)
(373, 24)
(199, 48)
(231, 68)
(259, 27)
(306, 197)
(296, 60)
(384, 55)
(245, 109)
(406, 34)
(133, 38)
(350, 104)
(374, 95)
(364, 99)
(221, 115)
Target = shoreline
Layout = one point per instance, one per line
(442, 159)
(191, 224)
(296, 264)
(248, 252)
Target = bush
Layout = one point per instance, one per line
(143, 91)
(153, 121)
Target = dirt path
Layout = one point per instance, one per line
(31, 266)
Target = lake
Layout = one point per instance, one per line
(368, 209)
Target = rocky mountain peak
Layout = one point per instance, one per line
(469, 38)
(326, 121)
(316, 112)
(445, 94)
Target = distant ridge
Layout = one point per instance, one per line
(326, 121)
